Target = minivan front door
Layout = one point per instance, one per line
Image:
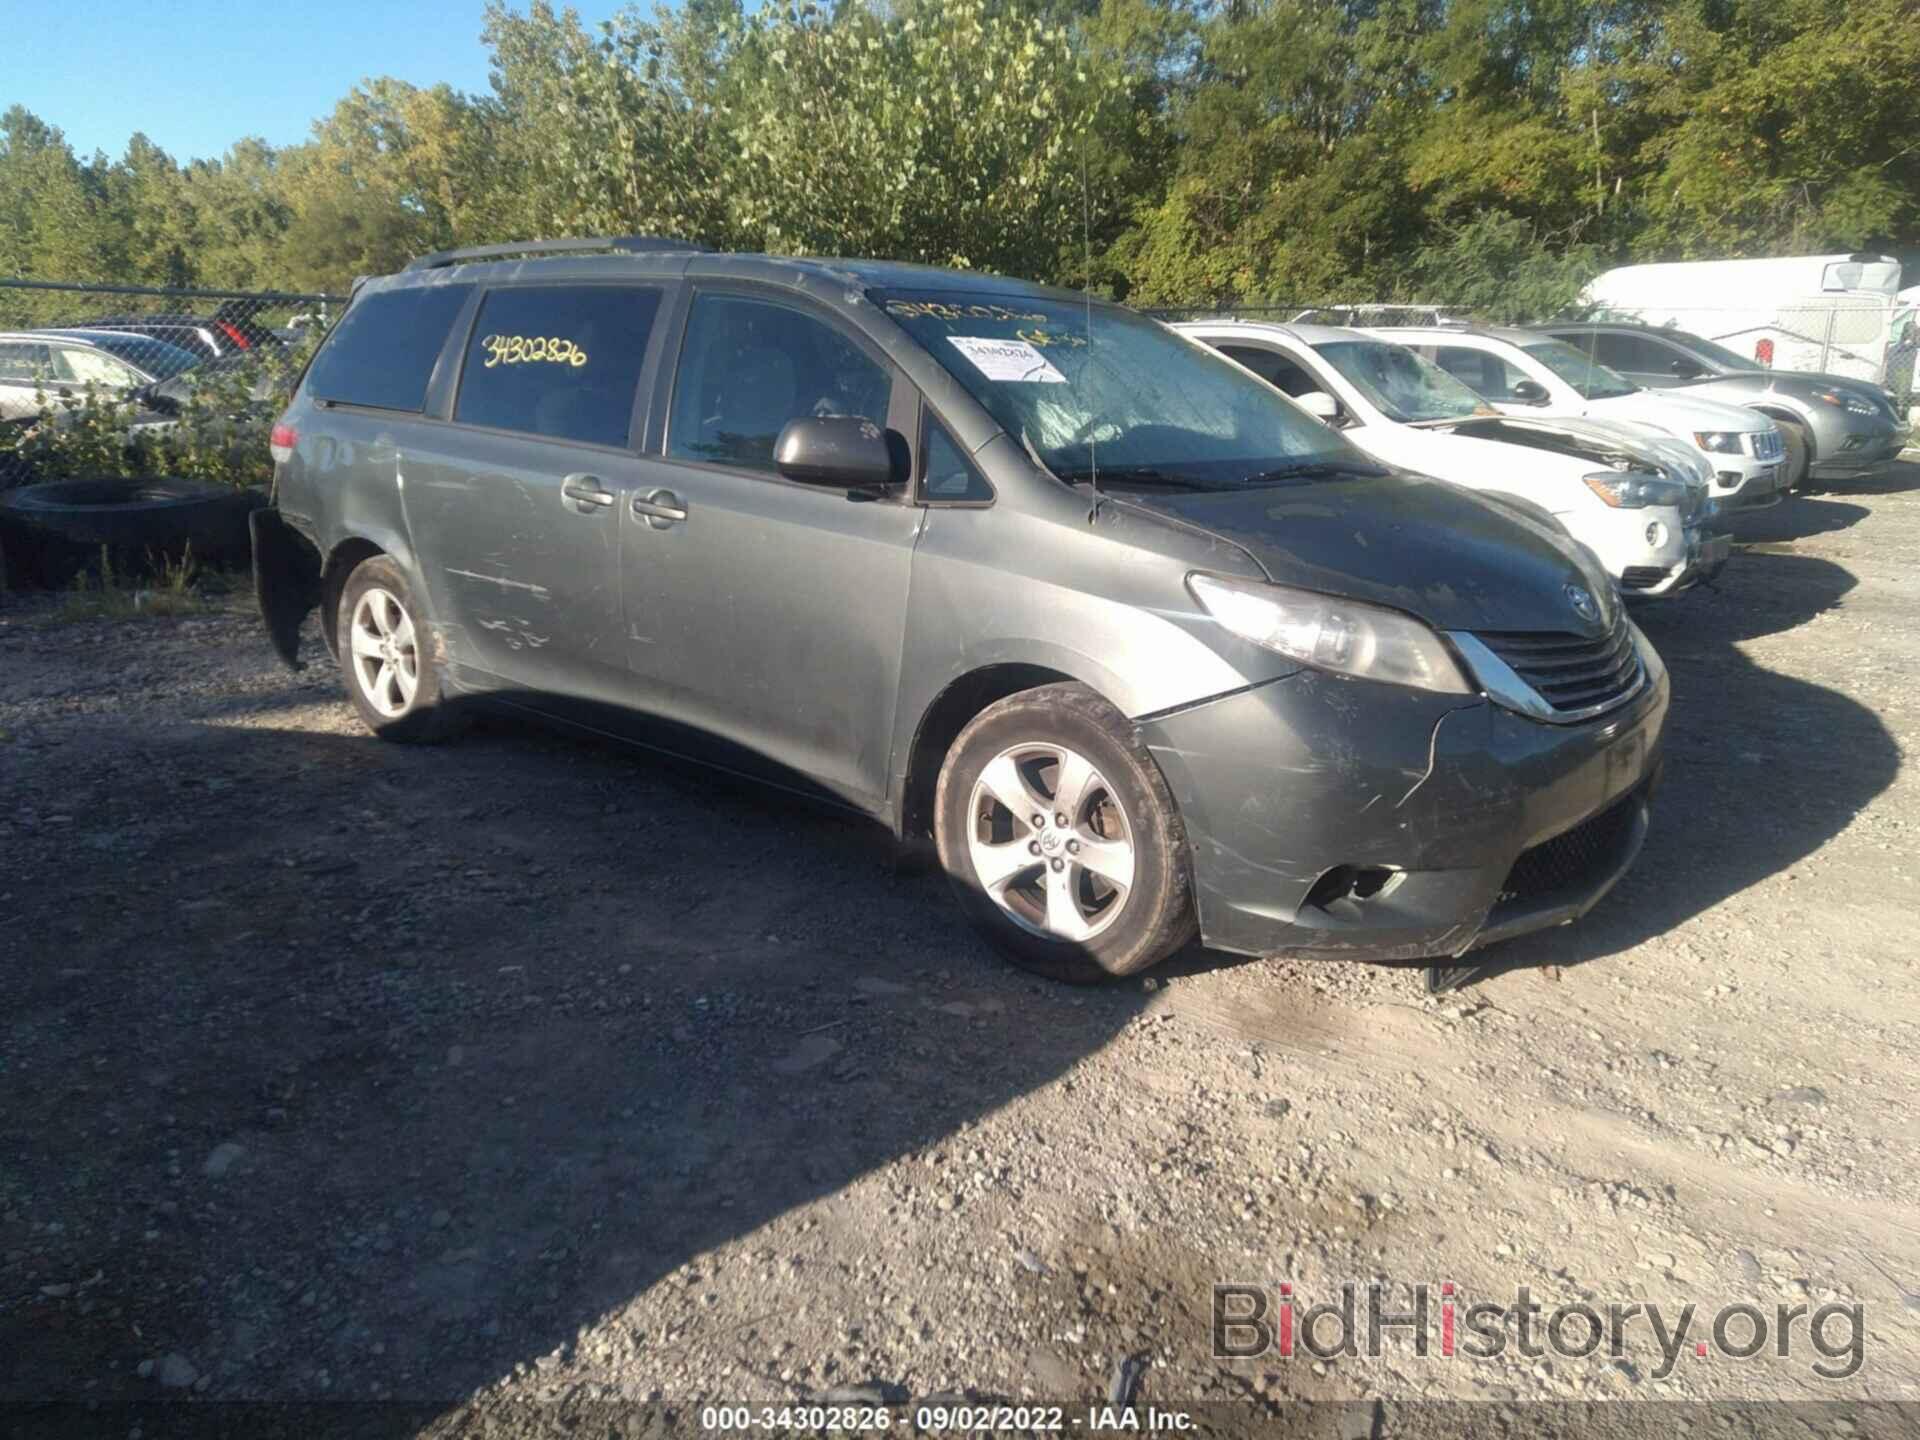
(764, 618)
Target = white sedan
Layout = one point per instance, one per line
(1637, 499)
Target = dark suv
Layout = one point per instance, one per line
(1140, 645)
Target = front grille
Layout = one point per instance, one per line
(1641, 577)
(1571, 672)
(1768, 445)
(1573, 860)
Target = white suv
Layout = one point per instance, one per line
(1637, 499)
(1521, 372)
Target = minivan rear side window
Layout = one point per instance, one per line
(561, 361)
(383, 350)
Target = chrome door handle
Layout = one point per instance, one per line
(586, 490)
(660, 508)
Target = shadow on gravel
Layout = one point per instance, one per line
(346, 1070)
(1762, 769)
(1900, 478)
(1796, 518)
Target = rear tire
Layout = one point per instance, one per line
(386, 654)
(1060, 838)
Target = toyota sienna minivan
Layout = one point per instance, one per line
(1142, 648)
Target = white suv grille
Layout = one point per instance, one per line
(1767, 445)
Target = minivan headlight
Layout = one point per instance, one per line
(1344, 636)
(1722, 442)
(1626, 490)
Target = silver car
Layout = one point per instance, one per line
(40, 368)
(1835, 427)
(1138, 646)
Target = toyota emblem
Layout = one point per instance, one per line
(1584, 605)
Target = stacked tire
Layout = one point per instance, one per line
(50, 532)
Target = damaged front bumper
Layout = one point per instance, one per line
(286, 581)
(1345, 818)
(1706, 556)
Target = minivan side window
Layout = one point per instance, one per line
(561, 361)
(749, 366)
(383, 350)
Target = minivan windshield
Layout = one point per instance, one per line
(1131, 397)
(1402, 385)
(1588, 376)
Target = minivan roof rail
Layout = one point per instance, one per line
(632, 244)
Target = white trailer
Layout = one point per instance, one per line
(1833, 314)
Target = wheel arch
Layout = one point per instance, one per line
(341, 562)
(1773, 410)
(941, 723)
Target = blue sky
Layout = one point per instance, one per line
(196, 75)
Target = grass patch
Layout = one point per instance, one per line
(167, 587)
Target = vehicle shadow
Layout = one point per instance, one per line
(1762, 769)
(1795, 518)
(366, 1071)
(1899, 478)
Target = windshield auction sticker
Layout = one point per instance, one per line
(1013, 360)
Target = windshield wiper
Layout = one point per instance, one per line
(1315, 469)
(1135, 475)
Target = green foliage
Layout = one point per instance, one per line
(1479, 152)
(219, 435)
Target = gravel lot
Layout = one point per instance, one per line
(528, 1067)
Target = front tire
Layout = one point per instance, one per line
(384, 651)
(1060, 838)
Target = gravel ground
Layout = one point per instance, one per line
(527, 1067)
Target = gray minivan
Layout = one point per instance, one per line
(1140, 646)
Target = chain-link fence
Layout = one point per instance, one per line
(126, 379)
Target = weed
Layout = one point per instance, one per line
(168, 587)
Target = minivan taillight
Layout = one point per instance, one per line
(282, 441)
(233, 333)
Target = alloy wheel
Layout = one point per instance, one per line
(1050, 842)
(386, 657)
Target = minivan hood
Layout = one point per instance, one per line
(1457, 560)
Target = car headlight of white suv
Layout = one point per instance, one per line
(1631, 490)
(1721, 442)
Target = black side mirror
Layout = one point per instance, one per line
(849, 452)
(1685, 369)
(1530, 392)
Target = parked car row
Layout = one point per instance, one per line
(125, 357)
(1638, 499)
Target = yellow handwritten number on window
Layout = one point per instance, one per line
(531, 349)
